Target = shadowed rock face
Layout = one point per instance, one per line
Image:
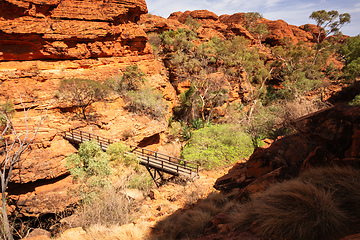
(328, 137)
(66, 29)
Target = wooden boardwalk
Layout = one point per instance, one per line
(155, 162)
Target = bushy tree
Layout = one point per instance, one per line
(350, 51)
(131, 80)
(251, 23)
(192, 23)
(6, 112)
(146, 101)
(195, 64)
(89, 164)
(81, 93)
(327, 22)
(294, 69)
(218, 145)
(178, 40)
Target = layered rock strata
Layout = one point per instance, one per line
(43, 42)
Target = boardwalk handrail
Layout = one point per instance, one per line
(150, 158)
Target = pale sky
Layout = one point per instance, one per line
(295, 12)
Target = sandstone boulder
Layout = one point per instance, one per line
(152, 23)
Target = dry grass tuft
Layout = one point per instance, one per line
(125, 232)
(109, 207)
(188, 224)
(321, 204)
(343, 182)
(297, 210)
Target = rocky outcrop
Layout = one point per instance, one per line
(43, 42)
(156, 24)
(62, 29)
(324, 138)
(233, 25)
(44, 196)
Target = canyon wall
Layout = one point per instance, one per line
(43, 42)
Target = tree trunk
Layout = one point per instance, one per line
(83, 113)
(5, 220)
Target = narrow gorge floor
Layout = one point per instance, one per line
(160, 203)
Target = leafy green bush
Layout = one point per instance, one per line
(141, 180)
(131, 80)
(147, 101)
(186, 132)
(350, 50)
(6, 109)
(90, 161)
(192, 23)
(197, 123)
(355, 101)
(90, 168)
(218, 145)
(178, 40)
(116, 151)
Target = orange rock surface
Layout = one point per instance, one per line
(70, 29)
(43, 42)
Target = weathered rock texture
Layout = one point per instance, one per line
(63, 29)
(43, 42)
(324, 138)
(225, 26)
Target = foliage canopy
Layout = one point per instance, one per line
(81, 93)
(218, 145)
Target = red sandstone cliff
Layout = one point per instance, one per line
(43, 42)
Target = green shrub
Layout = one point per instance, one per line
(6, 111)
(218, 145)
(192, 23)
(90, 161)
(186, 132)
(147, 101)
(355, 101)
(141, 180)
(119, 153)
(197, 123)
(90, 168)
(350, 51)
(131, 80)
